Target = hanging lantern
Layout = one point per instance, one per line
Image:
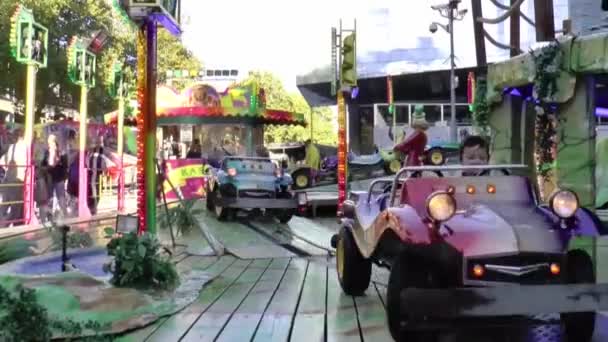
(471, 87)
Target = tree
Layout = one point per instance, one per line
(278, 98)
(67, 18)
(172, 55)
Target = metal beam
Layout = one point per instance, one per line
(514, 29)
(543, 16)
(480, 42)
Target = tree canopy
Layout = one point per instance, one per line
(67, 18)
(323, 131)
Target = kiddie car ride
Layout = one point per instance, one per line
(252, 183)
(358, 166)
(462, 247)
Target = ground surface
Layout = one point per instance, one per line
(280, 284)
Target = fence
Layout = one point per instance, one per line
(11, 194)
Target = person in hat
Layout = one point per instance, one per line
(413, 145)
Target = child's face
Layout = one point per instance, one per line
(475, 155)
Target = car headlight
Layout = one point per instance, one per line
(232, 172)
(564, 203)
(440, 206)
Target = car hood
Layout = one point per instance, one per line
(255, 181)
(503, 229)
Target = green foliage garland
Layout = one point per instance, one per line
(481, 109)
(547, 62)
(22, 318)
(138, 263)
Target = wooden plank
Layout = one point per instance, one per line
(189, 262)
(284, 235)
(277, 319)
(245, 320)
(381, 292)
(213, 320)
(372, 317)
(342, 325)
(309, 323)
(177, 325)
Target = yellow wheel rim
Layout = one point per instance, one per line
(395, 166)
(340, 258)
(436, 158)
(302, 181)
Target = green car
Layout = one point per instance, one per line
(437, 154)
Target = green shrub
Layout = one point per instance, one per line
(138, 263)
(182, 216)
(22, 318)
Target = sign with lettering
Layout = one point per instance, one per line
(185, 176)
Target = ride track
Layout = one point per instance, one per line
(274, 286)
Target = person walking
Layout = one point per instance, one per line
(13, 162)
(96, 166)
(55, 163)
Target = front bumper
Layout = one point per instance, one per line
(259, 203)
(507, 300)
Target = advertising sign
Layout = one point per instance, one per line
(186, 176)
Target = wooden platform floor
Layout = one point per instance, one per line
(294, 299)
(280, 299)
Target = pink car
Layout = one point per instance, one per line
(469, 247)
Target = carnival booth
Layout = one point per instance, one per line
(548, 108)
(202, 121)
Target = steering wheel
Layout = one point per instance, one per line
(486, 172)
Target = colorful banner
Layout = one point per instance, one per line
(187, 176)
(202, 100)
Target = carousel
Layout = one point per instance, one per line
(199, 126)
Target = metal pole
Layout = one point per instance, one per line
(120, 141)
(28, 136)
(453, 131)
(150, 127)
(83, 209)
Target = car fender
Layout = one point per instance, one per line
(404, 222)
(587, 223)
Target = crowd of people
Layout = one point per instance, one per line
(56, 184)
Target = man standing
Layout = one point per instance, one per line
(313, 159)
(413, 145)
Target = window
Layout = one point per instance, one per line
(225, 73)
(209, 73)
(383, 110)
(433, 113)
(217, 73)
(234, 72)
(402, 114)
(464, 116)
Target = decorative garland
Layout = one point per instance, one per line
(547, 62)
(480, 107)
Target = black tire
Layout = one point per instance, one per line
(578, 327)
(298, 176)
(435, 151)
(393, 166)
(354, 271)
(405, 274)
(221, 213)
(285, 215)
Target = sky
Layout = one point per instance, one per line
(291, 37)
